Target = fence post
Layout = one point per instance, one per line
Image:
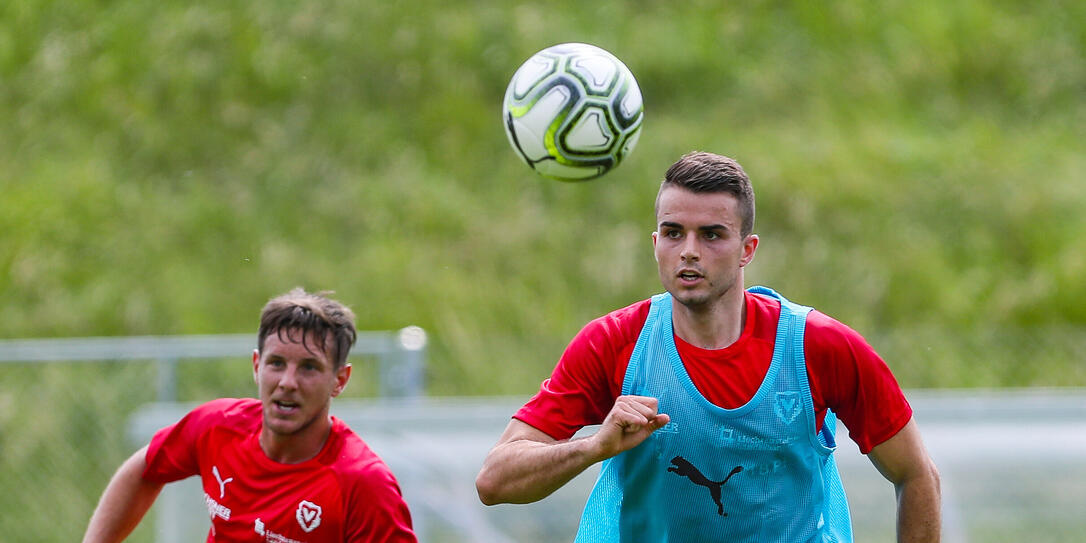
(402, 365)
(166, 369)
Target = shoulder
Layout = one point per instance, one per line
(619, 326)
(243, 414)
(355, 463)
(175, 451)
(621, 321)
(367, 484)
(827, 334)
(763, 314)
(372, 501)
(600, 350)
(230, 407)
(762, 302)
(823, 335)
(830, 345)
(583, 386)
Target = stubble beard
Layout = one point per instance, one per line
(285, 427)
(702, 299)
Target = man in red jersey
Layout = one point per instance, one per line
(278, 468)
(751, 458)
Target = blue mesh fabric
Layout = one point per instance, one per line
(757, 473)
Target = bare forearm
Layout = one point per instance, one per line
(528, 465)
(918, 510)
(525, 471)
(905, 462)
(123, 504)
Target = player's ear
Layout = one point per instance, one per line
(343, 375)
(256, 362)
(750, 244)
(655, 236)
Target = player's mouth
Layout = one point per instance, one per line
(285, 407)
(688, 276)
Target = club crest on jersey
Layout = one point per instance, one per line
(308, 515)
(787, 406)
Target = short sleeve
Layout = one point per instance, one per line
(588, 377)
(854, 381)
(375, 509)
(173, 452)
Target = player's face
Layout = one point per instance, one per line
(297, 383)
(699, 250)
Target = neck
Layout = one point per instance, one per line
(296, 447)
(711, 326)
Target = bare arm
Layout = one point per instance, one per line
(904, 461)
(126, 499)
(527, 465)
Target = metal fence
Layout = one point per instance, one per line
(400, 354)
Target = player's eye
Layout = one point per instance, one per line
(673, 234)
(711, 235)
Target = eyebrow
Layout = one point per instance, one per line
(706, 228)
(274, 356)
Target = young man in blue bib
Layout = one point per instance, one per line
(717, 405)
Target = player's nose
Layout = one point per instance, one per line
(689, 250)
(288, 378)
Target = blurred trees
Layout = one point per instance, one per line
(167, 167)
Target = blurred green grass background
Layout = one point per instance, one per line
(166, 167)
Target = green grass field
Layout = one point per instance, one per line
(167, 167)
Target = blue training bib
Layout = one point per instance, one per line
(757, 473)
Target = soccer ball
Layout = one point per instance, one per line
(573, 111)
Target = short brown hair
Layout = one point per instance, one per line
(707, 172)
(303, 312)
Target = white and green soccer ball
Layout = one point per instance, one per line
(573, 112)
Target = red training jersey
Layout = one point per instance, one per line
(844, 372)
(344, 494)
